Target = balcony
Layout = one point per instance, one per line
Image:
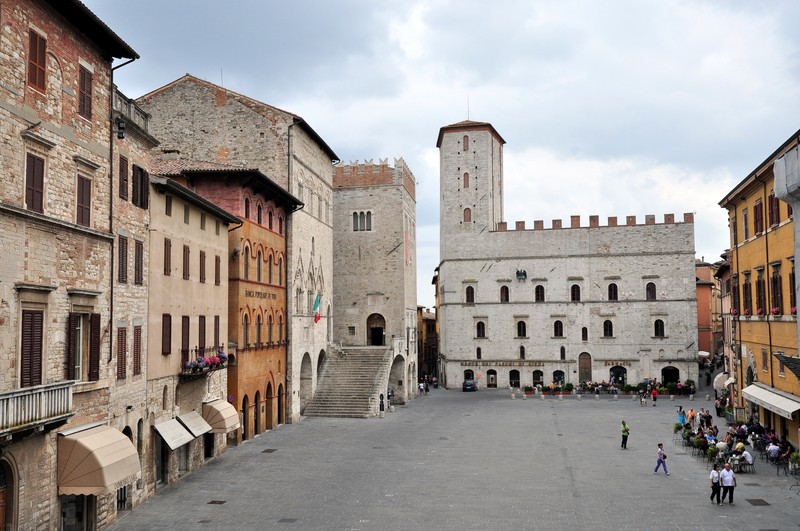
(33, 408)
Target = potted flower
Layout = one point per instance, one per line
(760, 311)
(747, 311)
(568, 388)
(677, 427)
(223, 358)
(734, 311)
(775, 310)
(191, 366)
(201, 362)
(794, 460)
(794, 310)
(527, 389)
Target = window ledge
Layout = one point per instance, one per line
(85, 387)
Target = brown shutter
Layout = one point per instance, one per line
(184, 340)
(85, 93)
(145, 184)
(123, 177)
(201, 333)
(138, 263)
(94, 347)
(31, 355)
(217, 270)
(72, 344)
(216, 331)
(123, 260)
(166, 334)
(137, 350)
(122, 353)
(186, 262)
(137, 177)
(167, 256)
(84, 201)
(34, 183)
(202, 266)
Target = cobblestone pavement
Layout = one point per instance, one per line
(453, 460)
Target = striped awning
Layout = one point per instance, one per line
(95, 460)
(221, 415)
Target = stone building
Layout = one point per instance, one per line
(257, 315)
(559, 304)
(427, 342)
(187, 409)
(375, 264)
(56, 314)
(764, 295)
(204, 121)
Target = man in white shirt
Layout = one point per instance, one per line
(728, 480)
(748, 458)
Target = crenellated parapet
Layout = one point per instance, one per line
(369, 173)
(594, 222)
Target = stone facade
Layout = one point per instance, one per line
(56, 316)
(519, 307)
(375, 263)
(206, 122)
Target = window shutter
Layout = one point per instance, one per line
(31, 362)
(216, 331)
(137, 177)
(72, 344)
(122, 353)
(217, 267)
(139, 263)
(167, 256)
(123, 177)
(166, 334)
(94, 347)
(137, 350)
(34, 183)
(144, 182)
(122, 274)
(201, 333)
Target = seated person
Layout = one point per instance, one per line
(722, 446)
(786, 451)
(746, 457)
(773, 450)
(739, 448)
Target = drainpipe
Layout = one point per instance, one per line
(111, 93)
(768, 285)
(738, 293)
(289, 300)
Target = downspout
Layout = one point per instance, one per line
(289, 300)
(111, 93)
(738, 294)
(768, 285)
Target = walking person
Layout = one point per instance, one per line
(626, 430)
(655, 396)
(728, 480)
(713, 479)
(661, 460)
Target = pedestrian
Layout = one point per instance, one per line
(681, 416)
(661, 460)
(421, 388)
(626, 430)
(427, 388)
(655, 396)
(728, 480)
(690, 416)
(713, 480)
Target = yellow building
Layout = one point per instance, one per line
(763, 305)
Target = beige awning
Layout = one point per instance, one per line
(730, 381)
(221, 415)
(173, 433)
(719, 380)
(193, 422)
(97, 460)
(776, 401)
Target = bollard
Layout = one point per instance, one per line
(672, 397)
(708, 397)
(578, 397)
(513, 396)
(542, 396)
(691, 398)
(616, 397)
(561, 397)
(380, 414)
(597, 397)
(524, 397)
(391, 409)
(634, 398)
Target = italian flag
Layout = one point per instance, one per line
(316, 309)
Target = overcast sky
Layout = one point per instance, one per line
(612, 108)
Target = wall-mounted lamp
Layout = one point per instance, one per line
(120, 130)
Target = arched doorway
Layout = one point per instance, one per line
(281, 405)
(469, 374)
(491, 378)
(538, 378)
(376, 330)
(305, 382)
(270, 407)
(257, 414)
(670, 374)
(558, 377)
(585, 367)
(321, 364)
(513, 378)
(245, 411)
(397, 379)
(7, 495)
(618, 375)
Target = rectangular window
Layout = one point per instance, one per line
(137, 350)
(217, 270)
(31, 350)
(184, 340)
(758, 217)
(764, 360)
(216, 331)
(201, 333)
(168, 205)
(83, 216)
(138, 263)
(747, 295)
(792, 296)
(216, 228)
(774, 209)
(186, 214)
(141, 187)
(122, 353)
(777, 293)
(202, 266)
(166, 334)
(123, 178)
(37, 62)
(167, 256)
(85, 93)
(351, 330)
(761, 294)
(122, 273)
(34, 183)
(83, 346)
(745, 224)
(735, 231)
(186, 256)
(202, 222)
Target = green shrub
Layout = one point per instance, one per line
(569, 387)
(672, 387)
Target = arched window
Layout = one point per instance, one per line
(258, 266)
(575, 293)
(258, 214)
(650, 291)
(466, 181)
(478, 353)
(467, 215)
(280, 224)
(269, 329)
(558, 329)
(258, 329)
(522, 330)
(504, 294)
(584, 334)
(269, 219)
(470, 295)
(245, 330)
(521, 352)
(612, 292)
(246, 208)
(466, 143)
(269, 270)
(563, 353)
(659, 328)
(362, 221)
(246, 263)
(280, 328)
(538, 293)
(369, 221)
(608, 328)
(280, 272)
(480, 329)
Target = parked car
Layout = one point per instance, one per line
(469, 385)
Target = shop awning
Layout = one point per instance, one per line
(730, 381)
(173, 433)
(221, 415)
(193, 422)
(719, 380)
(776, 401)
(703, 355)
(95, 460)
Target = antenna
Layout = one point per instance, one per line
(221, 79)
(468, 107)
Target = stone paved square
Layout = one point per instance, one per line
(453, 460)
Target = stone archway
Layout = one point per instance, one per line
(376, 330)
(245, 418)
(281, 405)
(585, 367)
(398, 380)
(8, 495)
(513, 378)
(670, 374)
(619, 375)
(270, 407)
(306, 382)
(491, 378)
(469, 374)
(538, 378)
(257, 414)
(321, 363)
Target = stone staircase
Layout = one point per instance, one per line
(350, 383)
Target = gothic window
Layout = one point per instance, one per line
(480, 329)
(563, 353)
(658, 328)
(467, 215)
(538, 293)
(470, 295)
(259, 262)
(575, 293)
(258, 214)
(246, 263)
(258, 329)
(522, 330)
(246, 208)
(584, 334)
(269, 329)
(466, 143)
(558, 329)
(245, 330)
(608, 328)
(504, 294)
(269, 270)
(612, 292)
(650, 291)
(465, 185)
